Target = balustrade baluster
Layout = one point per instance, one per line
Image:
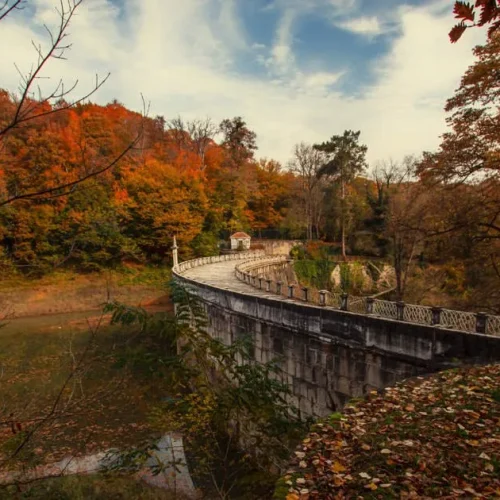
(436, 315)
(400, 305)
(481, 319)
(344, 299)
(369, 305)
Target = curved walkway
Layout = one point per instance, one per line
(222, 275)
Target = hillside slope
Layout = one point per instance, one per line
(429, 437)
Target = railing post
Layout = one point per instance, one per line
(400, 307)
(254, 280)
(436, 315)
(344, 301)
(481, 319)
(268, 287)
(305, 292)
(260, 283)
(369, 305)
(279, 285)
(290, 291)
(322, 297)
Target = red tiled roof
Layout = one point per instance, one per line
(240, 234)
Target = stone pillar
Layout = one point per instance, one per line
(174, 253)
(369, 305)
(322, 297)
(343, 301)
(268, 287)
(279, 285)
(400, 310)
(436, 315)
(481, 319)
(305, 292)
(260, 283)
(290, 291)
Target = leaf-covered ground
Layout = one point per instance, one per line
(430, 437)
(108, 409)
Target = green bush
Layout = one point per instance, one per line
(314, 273)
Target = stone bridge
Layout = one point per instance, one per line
(327, 353)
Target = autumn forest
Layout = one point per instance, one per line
(105, 359)
(88, 187)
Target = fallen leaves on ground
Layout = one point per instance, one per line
(429, 437)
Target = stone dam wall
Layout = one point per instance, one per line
(327, 356)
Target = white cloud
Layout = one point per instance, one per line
(180, 55)
(282, 59)
(231, 26)
(362, 25)
(321, 80)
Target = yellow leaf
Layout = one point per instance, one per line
(338, 481)
(338, 467)
(371, 486)
(292, 496)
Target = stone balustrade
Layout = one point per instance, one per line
(330, 347)
(257, 266)
(202, 261)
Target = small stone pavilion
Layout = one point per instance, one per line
(240, 241)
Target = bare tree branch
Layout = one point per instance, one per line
(5, 9)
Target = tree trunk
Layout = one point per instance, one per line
(342, 215)
(309, 219)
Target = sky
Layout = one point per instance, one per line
(295, 70)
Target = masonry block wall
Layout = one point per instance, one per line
(328, 356)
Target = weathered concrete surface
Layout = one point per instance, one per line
(221, 275)
(169, 456)
(276, 247)
(326, 355)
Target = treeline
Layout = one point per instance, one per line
(435, 217)
(176, 180)
(196, 180)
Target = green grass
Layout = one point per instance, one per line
(92, 487)
(123, 275)
(150, 276)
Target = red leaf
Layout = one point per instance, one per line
(489, 12)
(464, 11)
(456, 32)
(493, 28)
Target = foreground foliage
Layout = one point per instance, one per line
(435, 437)
(234, 414)
(51, 409)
